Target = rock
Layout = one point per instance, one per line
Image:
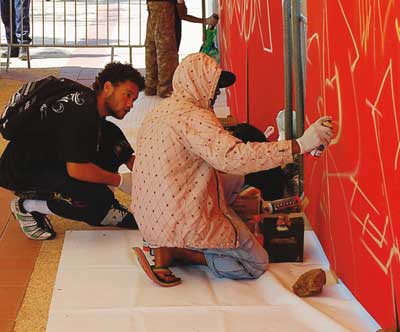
(310, 283)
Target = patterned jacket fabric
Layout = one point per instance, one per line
(177, 194)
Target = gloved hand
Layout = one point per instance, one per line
(315, 135)
(126, 182)
(212, 21)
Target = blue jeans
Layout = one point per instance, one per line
(248, 261)
(17, 28)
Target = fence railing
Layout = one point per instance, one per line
(74, 23)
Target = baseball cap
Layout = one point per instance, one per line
(226, 79)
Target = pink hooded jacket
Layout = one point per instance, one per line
(177, 194)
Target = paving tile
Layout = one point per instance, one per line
(5, 198)
(7, 262)
(6, 325)
(16, 277)
(11, 299)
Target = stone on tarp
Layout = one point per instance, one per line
(310, 283)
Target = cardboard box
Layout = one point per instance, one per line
(284, 237)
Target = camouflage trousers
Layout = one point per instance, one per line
(161, 51)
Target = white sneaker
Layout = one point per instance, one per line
(35, 225)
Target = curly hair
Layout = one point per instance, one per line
(116, 72)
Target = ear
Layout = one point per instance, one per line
(108, 88)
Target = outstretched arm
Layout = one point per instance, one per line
(183, 15)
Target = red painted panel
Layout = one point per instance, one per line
(252, 44)
(353, 74)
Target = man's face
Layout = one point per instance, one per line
(216, 94)
(120, 98)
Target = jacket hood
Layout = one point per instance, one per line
(196, 78)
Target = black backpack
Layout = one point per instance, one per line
(30, 102)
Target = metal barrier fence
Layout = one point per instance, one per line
(295, 25)
(75, 23)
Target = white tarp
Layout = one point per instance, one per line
(101, 288)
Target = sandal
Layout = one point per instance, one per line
(160, 275)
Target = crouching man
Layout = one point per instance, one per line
(65, 159)
(177, 193)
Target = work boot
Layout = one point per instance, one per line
(35, 225)
(119, 216)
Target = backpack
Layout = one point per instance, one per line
(30, 102)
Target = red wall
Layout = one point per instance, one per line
(353, 74)
(252, 47)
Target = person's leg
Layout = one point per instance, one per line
(9, 25)
(248, 261)
(167, 54)
(92, 203)
(22, 26)
(151, 79)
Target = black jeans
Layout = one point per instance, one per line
(65, 196)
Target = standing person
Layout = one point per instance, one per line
(17, 26)
(64, 160)
(163, 37)
(177, 192)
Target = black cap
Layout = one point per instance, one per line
(226, 79)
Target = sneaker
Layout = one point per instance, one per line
(36, 226)
(23, 53)
(14, 53)
(119, 216)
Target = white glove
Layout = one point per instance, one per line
(212, 20)
(315, 135)
(125, 183)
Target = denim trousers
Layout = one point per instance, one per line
(15, 17)
(249, 260)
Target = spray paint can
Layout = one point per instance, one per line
(318, 151)
(284, 205)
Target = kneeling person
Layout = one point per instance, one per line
(178, 195)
